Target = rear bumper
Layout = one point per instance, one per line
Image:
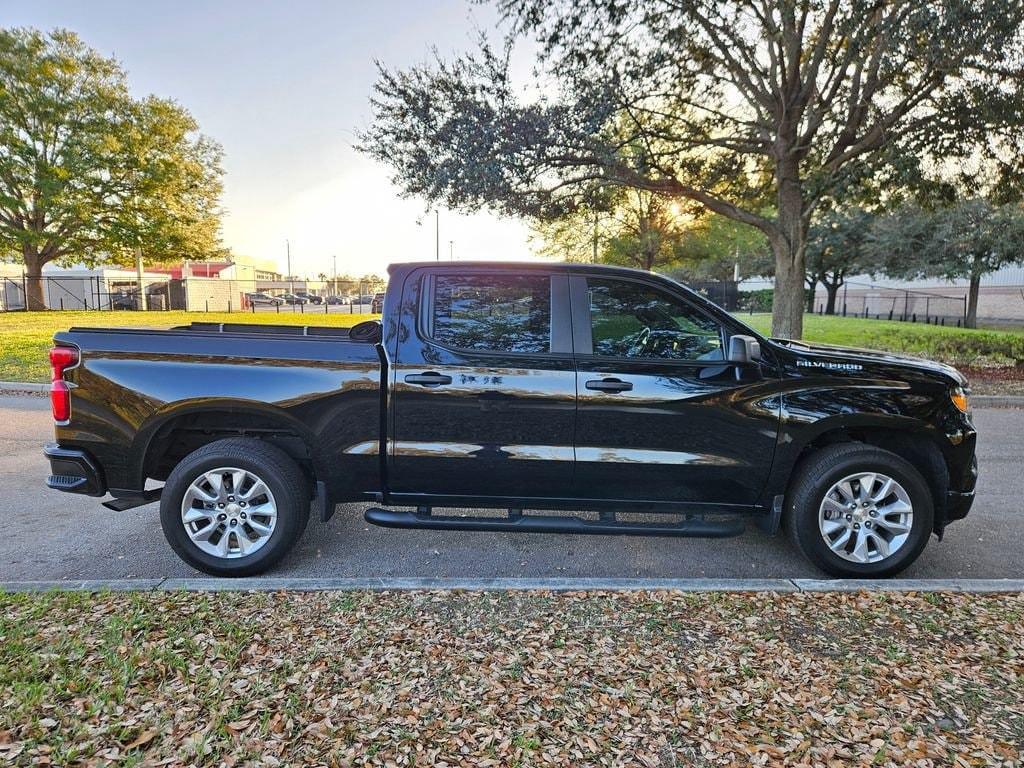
(73, 471)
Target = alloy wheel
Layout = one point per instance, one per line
(866, 517)
(229, 512)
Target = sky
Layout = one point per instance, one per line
(283, 87)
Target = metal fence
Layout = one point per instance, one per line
(197, 294)
(889, 303)
(725, 293)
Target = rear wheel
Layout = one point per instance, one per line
(234, 507)
(859, 511)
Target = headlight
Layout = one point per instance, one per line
(960, 400)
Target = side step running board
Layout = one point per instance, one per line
(516, 521)
(121, 503)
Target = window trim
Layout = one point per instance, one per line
(559, 329)
(583, 329)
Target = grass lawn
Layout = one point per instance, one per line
(26, 336)
(957, 346)
(511, 679)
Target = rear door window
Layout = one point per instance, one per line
(492, 313)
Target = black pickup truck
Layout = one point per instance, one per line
(580, 399)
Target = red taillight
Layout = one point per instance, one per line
(61, 358)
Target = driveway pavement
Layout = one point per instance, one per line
(51, 535)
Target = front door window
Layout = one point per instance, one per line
(633, 320)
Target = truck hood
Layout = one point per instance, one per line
(831, 357)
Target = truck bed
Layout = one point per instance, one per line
(135, 385)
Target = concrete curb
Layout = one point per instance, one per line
(23, 386)
(973, 586)
(202, 584)
(997, 401)
(487, 585)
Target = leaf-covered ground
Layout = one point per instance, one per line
(500, 679)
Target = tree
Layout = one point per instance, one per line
(966, 240)
(88, 173)
(629, 227)
(729, 104)
(836, 249)
(713, 247)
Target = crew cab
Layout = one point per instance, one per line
(579, 398)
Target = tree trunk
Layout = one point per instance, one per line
(833, 292)
(810, 291)
(971, 321)
(788, 249)
(34, 298)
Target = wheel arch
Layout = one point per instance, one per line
(173, 432)
(907, 438)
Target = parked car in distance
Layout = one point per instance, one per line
(310, 297)
(293, 298)
(263, 298)
(377, 304)
(366, 298)
(337, 299)
(124, 300)
(566, 387)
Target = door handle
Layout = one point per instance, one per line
(609, 385)
(428, 379)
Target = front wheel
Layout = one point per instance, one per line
(859, 511)
(234, 507)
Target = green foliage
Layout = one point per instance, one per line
(785, 106)
(756, 301)
(87, 173)
(837, 248)
(710, 248)
(628, 227)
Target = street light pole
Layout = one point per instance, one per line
(288, 251)
(437, 234)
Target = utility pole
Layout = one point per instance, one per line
(437, 234)
(334, 282)
(138, 272)
(288, 252)
(451, 250)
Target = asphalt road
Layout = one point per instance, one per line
(52, 535)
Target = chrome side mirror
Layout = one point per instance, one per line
(744, 349)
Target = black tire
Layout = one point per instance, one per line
(280, 474)
(819, 472)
